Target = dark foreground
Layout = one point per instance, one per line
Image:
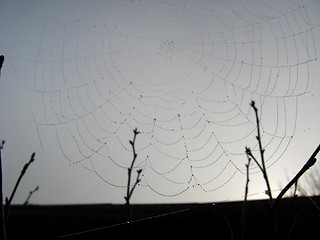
(298, 219)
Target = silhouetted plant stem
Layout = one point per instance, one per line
(8, 201)
(263, 169)
(244, 207)
(1, 62)
(130, 191)
(3, 225)
(312, 160)
(247, 181)
(261, 150)
(26, 202)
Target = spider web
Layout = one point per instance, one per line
(183, 73)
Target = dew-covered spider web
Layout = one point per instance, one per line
(183, 73)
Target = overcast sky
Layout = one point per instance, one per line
(79, 76)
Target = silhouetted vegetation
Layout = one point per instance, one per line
(1, 62)
(274, 224)
(5, 209)
(262, 219)
(165, 221)
(26, 202)
(261, 164)
(272, 219)
(130, 188)
(3, 224)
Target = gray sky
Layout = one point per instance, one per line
(80, 75)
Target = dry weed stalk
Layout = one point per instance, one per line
(5, 209)
(312, 160)
(130, 188)
(244, 207)
(261, 165)
(26, 202)
(3, 225)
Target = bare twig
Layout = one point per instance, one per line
(262, 168)
(244, 207)
(312, 160)
(3, 234)
(261, 150)
(8, 201)
(130, 191)
(247, 182)
(26, 202)
(3, 225)
(250, 155)
(1, 62)
(23, 171)
(269, 193)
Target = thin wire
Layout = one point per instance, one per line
(124, 223)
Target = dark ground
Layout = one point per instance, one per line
(300, 220)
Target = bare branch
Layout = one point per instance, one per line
(23, 171)
(26, 202)
(312, 160)
(135, 155)
(261, 150)
(3, 222)
(244, 207)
